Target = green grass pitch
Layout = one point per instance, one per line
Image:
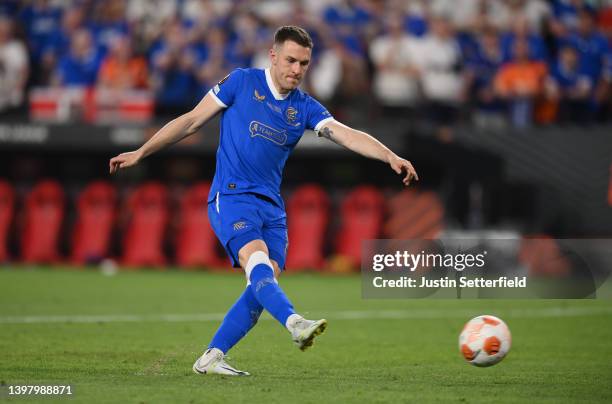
(133, 337)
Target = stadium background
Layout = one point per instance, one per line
(504, 108)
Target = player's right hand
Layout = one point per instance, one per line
(403, 166)
(124, 160)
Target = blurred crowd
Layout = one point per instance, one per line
(493, 62)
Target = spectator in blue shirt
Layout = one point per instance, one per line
(521, 31)
(40, 20)
(80, 66)
(214, 60)
(592, 46)
(173, 64)
(59, 41)
(109, 22)
(58, 44)
(566, 13)
(570, 88)
(480, 78)
(349, 23)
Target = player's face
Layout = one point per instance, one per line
(289, 64)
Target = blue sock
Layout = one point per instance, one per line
(237, 322)
(269, 294)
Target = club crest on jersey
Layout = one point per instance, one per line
(274, 135)
(239, 226)
(258, 97)
(291, 114)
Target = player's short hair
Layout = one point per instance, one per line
(293, 33)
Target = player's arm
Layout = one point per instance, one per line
(366, 145)
(174, 131)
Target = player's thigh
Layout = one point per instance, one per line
(236, 222)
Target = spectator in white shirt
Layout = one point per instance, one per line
(394, 55)
(441, 74)
(13, 68)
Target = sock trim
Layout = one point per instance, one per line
(257, 258)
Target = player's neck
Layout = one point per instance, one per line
(280, 90)
(276, 88)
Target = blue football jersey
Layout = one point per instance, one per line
(259, 129)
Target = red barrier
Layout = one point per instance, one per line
(148, 216)
(196, 243)
(96, 213)
(7, 208)
(308, 213)
(362, 213)
(44, 213)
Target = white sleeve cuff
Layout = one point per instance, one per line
(322, 122)
(217, 100)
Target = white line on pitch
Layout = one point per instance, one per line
(334, 315)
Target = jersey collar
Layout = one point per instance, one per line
(277, 96)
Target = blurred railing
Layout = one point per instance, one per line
(90, 105)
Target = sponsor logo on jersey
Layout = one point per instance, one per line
(258, 97)
(274, 135)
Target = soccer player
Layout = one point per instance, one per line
(264, 116)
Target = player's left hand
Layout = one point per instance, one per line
(400, 165)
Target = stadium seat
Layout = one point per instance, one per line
(195, 241)
(44, 214)
(308, 213)
(147, 209)
(414, 215)
(96, 212)
(362, 213)
(7, 207)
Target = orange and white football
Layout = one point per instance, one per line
(485, 340)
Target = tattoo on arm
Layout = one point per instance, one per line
(326, 133)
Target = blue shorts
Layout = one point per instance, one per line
(238, 219)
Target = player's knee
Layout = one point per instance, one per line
(247, 251)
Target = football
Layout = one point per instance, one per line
(485, 341)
